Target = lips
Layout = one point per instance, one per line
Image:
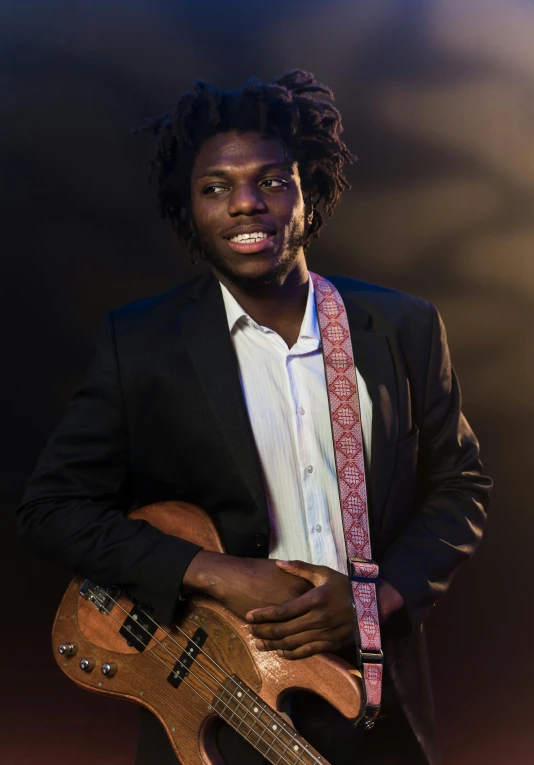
(249, 228)
(247, 247)
(252, 247)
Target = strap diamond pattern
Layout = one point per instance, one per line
(348, 447)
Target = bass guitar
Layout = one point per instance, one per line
(203, 668)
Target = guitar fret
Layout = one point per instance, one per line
(251, 704)
(258, 734)
(265, 730)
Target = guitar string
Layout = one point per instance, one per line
(207, 655)
(276, 737)
(214, 692)
(239, 703)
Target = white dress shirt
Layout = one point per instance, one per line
(287, 403)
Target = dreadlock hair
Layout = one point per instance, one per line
(286, 108)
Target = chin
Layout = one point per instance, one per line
(263, 275)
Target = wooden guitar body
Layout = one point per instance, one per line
(203, 668)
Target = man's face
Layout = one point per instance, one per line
(241, 184)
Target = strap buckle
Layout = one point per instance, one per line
(363, 570)
(369, 657)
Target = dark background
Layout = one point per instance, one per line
(437, 99)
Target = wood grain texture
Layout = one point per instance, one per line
(186, 712)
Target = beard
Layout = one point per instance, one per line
(276, 275)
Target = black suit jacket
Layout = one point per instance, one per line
(161, 416)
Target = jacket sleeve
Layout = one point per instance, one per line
(450, 514)
(73, 510)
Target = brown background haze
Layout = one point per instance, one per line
(438, 102)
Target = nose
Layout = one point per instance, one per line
(246, 199)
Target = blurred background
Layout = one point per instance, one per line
(437, 101)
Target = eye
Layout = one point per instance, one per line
(208, 189)
(278, 181)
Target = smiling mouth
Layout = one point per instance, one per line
(252, 244)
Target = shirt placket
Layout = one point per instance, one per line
(313, 499)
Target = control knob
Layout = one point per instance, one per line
(87, 665)
(109, 668)
(67, 649)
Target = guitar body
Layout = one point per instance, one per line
(203, 668)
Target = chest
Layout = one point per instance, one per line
(286, 399)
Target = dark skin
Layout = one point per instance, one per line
(295, 608)
(272, 286)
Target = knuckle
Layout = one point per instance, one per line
(323, 617)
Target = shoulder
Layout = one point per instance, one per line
(385, 305)
(156, 309)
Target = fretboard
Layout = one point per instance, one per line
(262, 727)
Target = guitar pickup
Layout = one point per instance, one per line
(138, 628)
(104, 598)
(192, 649)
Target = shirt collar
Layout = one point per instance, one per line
(309, 330)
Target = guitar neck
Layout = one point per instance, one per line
(261, 726)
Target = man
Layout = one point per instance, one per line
(214, 393)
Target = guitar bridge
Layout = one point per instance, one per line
(104, 598)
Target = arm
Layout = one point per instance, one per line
(73, 510)
(447, 524)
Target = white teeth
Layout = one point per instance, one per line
(255, 236)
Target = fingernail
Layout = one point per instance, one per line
(260, 645)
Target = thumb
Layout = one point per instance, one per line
(305, 570)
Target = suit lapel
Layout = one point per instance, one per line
(373, 359)
(208, 341)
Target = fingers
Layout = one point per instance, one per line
(285, 611)
(307, 643)
(314, 574)
(309, 649)
(318, 619)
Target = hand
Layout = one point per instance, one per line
(319, 620)
(389, 600)
(242, 584)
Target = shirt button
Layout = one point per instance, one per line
(301, 411)
(310, 468)
(318, 528)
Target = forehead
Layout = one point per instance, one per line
(237, 150)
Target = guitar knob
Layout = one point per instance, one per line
(87, 665)
(67, 649)
(109, 669)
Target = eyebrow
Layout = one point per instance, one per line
(219, 172)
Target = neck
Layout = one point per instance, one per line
(273, 305)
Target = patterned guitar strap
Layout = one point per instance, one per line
(348, 448)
